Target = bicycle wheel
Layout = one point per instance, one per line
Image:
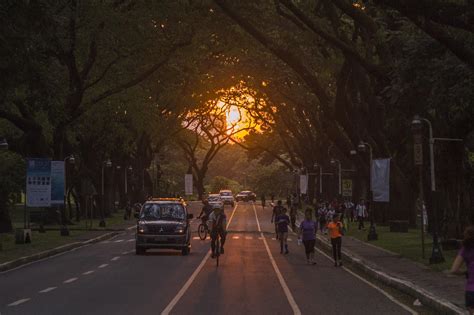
(202, 231)
(218, 251)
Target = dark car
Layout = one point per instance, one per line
(246, 195)
(163, 223)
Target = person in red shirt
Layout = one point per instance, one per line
(335, 228)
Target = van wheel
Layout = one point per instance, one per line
(185, 251)
(140, 251)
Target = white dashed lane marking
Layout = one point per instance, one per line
(235, 237)
(88, 272)
(115, 258)
(18, 302)
(70, 280)
(249, 238)
(118, 241)
(47, 290)
(195, 237)
(131, 240)
(103, 265)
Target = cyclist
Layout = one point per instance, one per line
(276, 212)
(205, 211)
(218, 221)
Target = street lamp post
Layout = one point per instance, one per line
(372, 236)
(108, 164)
(316, 165)
(64, 231)
(333, 162)
(416, 123)
(3, 147)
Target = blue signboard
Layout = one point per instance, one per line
(38, 183)
(57, 182)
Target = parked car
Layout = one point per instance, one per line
(215, 201)
(246, 195)
(227, 197)
(163, 223)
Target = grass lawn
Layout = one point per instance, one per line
(406, 244)
(40, 242)
(51, 239)
(17, 215)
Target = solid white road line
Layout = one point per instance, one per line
(188, 283)
(88, 272)
(47, 290)
(115, 258)
(103, 265)
(289, 296)
(70, 280)
(19, 302)
(390, 297)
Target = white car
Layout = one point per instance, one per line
(215, 201)
(227, 197)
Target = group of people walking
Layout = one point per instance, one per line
(328, 221)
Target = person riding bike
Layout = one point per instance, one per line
(276, 212)
(205, 211)
(218, 222)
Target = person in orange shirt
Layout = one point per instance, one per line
(335, 228)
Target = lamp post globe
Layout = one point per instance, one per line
(361, 147)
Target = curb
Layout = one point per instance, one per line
(439, 304)
(55, 251)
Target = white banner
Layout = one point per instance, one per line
(380, 180)
(188, 184)
(303, 184)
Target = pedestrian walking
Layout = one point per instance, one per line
(307, 235)
(263, 201)
(283, 221)
(361, 210)
(466, 256)
(276, 212)
(272, 196)
(322, 212)
(288, 201)
(349, 212)
(293, 217)
(335, 229)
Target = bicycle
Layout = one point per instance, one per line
(203, 230)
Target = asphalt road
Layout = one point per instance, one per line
(253, 278)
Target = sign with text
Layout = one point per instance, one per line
(380, 180)
(188, 184)
(38, 183)
(347, 187)
(57, 182)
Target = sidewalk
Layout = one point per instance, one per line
(442, 292)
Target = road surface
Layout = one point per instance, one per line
(253, 278)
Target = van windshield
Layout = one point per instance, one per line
(155, 211)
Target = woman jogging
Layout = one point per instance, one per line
(308, 229)
(466, 255)
(335, 234)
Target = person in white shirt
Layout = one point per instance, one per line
(361, 211)
(349, 211)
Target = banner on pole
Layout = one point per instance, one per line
(380, 180)
(188, 184)
(57, 182)
(38, 183)
(303, 184)
(347, 187)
